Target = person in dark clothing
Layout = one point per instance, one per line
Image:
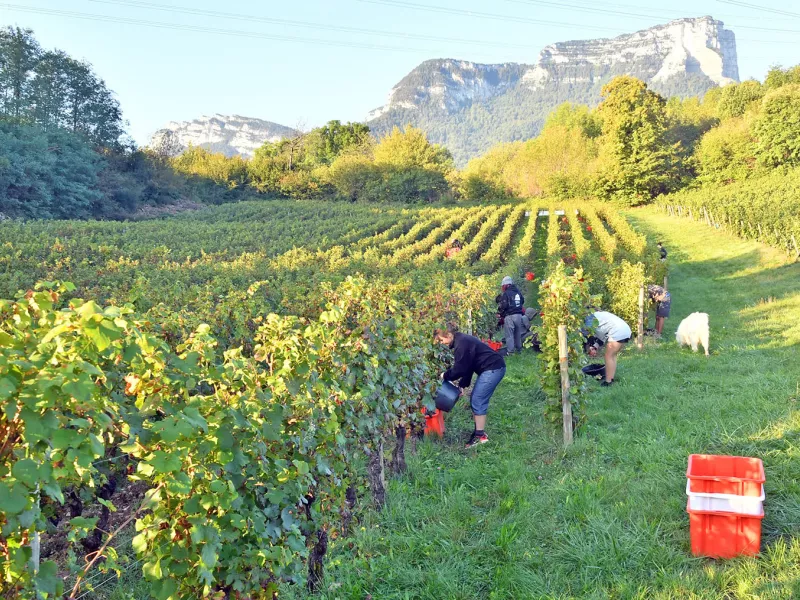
(511, 311)
(663, 251)
(472, 356)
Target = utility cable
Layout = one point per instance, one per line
(201, 29)
(302, 24)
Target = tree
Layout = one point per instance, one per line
(777, 128)
(47, 174)
(575, 116)
(637, 162)
(411, 148)
(725, 153)
(777, 77)
(737, 98)
(19, 53)
(166, 145)
(325, 143)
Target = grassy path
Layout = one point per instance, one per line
(520, 518)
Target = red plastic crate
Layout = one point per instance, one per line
(724, 535)
(713, 474)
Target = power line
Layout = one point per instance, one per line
(199, 29)
(777, 11)
(513, 19)
(610, 9)
(482, 15)
(301, 24)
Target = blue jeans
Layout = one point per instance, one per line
(483, 390)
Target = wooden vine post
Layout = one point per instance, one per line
(796, 249)
(566, 406)
(665, 283)
(469, 321)
(640, 332)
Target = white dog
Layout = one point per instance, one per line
(693, 330)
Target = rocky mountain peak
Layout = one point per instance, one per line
(229, 134)
(685, 57)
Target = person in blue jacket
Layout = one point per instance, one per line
(472, 356)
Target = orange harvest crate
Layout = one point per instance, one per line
(724, 535)
(713, 474)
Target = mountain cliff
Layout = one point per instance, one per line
(469, 107)
(230, 135)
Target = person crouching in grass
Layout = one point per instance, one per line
(471, 355)
(611, 331)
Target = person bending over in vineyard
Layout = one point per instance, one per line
(662, 251)
(511, 307)
(454, 249)
(662, 300)
(612, 332)
(473, 356)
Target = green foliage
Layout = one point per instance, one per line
(575, 116)
(622, 286)
(725, 153)
(52, 90)
(777, 128)
(563, 298)
(245, 454)
(764, 208)
(47, 175)
(736, 99)
(333, 139)
(637, 163)
(777, 77)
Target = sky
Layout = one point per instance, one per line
(305, 62)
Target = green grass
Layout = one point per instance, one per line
(522, 518)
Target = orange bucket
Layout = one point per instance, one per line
(434, 424)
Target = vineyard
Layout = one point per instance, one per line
(245, 368)
(766, 209)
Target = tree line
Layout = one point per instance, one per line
(637, 145)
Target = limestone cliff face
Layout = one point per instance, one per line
(230, 135)
(470, 106)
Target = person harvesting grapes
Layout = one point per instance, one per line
(472, 356)
(511, 309)
(612, 332)
(662, 300)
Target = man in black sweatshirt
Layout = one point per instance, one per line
(473, 356)
(511, 311)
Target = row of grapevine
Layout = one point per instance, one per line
(580, 242)
(632, 240)
(420, 229)
(554, 246)
(525, 247)
(606, 242)
(435, 236)
(586, 265)
(500, 250)
(765, 209)
(468, 228)
(473, 250)
(248, 455)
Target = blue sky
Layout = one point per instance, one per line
(311, 75)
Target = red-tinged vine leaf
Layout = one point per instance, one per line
(131, 384)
